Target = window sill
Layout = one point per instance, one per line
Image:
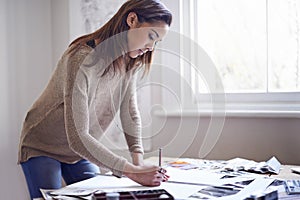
(230, 113)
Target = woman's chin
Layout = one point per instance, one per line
(135, 54)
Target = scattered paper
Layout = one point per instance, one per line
(71, 191)
(197, 179)
(234, 191)
(239, 164)
(182, 165)
(194, 176)
(236, 164)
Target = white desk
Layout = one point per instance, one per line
(285, 174)
(110, 183)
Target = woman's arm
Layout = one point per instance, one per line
(131, 121)
(137, 158)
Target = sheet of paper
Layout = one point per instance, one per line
(274, 165)
(296, 170)
(105, 182)
(271, 166)
(193, 176)
(113, 184)
(84, 189)
(256, 186)
(181, 191)
(72, 191)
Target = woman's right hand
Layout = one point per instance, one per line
(147, 175)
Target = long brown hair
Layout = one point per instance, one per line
(149, 11)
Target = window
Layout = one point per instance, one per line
(254, 45)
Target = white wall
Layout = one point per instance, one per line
(251, 138)
(27, 36)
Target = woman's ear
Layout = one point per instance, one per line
(132, 20)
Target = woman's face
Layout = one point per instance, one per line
(142, 37)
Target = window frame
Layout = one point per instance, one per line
(242, 102)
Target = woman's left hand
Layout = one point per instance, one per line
(138, 160)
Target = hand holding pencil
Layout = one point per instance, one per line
(161, 170)
(147, 175)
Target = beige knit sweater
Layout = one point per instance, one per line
(74, 111)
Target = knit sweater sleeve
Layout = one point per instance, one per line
(130, 118)
(76, 104)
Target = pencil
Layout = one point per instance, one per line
(159, 157)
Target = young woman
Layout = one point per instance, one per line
(94, 80)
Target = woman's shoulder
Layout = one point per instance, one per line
(78, 50)
(82, 58)
(77, 55)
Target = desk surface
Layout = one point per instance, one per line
(127, 184)
(285, 172)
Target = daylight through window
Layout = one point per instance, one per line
(254, 44)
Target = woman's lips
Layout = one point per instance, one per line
(140, 52)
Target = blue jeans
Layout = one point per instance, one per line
(47, 173)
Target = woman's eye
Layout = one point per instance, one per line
(151, 37)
